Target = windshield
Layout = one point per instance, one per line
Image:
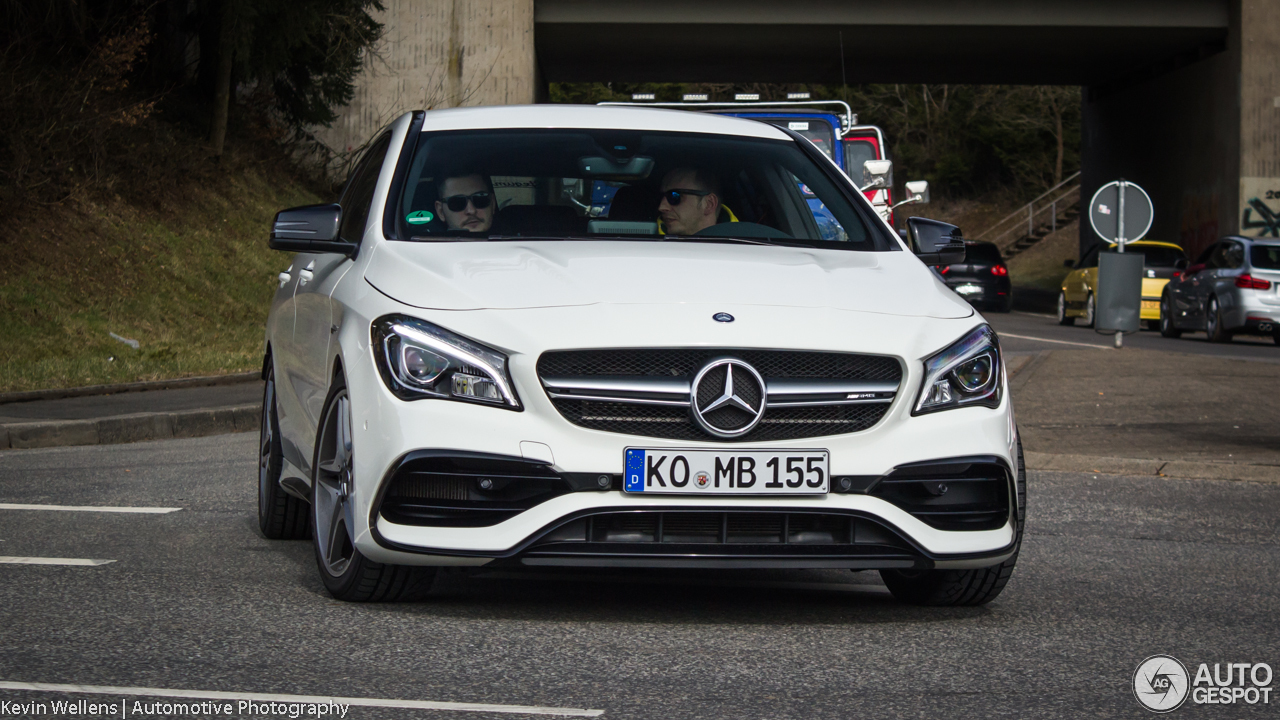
(610, 184)
(1265, 257)
(1156, 256)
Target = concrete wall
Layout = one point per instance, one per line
(439, 54)
(1203, 138)
(1258, 211)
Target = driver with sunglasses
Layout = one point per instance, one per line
(690, 201)
(466, 202)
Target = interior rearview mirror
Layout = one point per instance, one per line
(877, 174)
(311, 229)
(934, 242)
(607, 168)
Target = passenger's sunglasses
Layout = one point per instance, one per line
(673, 197)
(458, 203)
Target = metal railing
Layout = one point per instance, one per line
(1013, 222)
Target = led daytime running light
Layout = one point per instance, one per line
(944, 388)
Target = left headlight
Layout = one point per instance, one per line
(419, 360)
(965, 373)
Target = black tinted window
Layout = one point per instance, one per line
(1090, 259)
(358, 195)
(983, 254)
(857, 153)
(1265, 257)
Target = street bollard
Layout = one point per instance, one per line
(1119, 300)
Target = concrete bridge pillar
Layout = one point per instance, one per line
(439, 54)
(1200, 132)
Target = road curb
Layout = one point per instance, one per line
(60, 393)
(130, 428)
(1154, 468)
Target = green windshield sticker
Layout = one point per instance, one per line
(419, 217)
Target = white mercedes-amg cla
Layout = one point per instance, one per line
(615, 337)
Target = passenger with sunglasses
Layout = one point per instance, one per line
(690, 201)
(466, 202)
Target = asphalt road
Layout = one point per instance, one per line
(1025, 332)
(1113, 570)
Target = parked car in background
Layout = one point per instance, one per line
(982, 279)
(1162, 261)
(1232, 288)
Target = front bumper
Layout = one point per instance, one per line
(387, 429)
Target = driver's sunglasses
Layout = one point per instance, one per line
(673, 197)
(458, 203)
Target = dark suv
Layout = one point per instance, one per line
(982, 279)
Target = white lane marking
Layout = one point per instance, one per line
(90, 508)
(1060, 342)
(50, 561)
(309, 699)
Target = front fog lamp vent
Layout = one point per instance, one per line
(419, 360)
(966, 373)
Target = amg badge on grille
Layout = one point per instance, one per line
(727, 397)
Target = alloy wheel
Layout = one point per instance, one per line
(331, 497)
(1088, 311)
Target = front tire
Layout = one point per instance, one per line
(1167, 328)
(346, 573)
(1089, 308)
(281, 516)
(977, 586)
(1063, 319)
(1213, 323)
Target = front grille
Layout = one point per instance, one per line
(687, 362)
(955, 494)
(673, 422)
(465, 491)
(701, 535)
(660, 417)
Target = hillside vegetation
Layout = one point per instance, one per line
(191, 280)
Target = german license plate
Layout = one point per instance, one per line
(712, 472)
(1150, 304)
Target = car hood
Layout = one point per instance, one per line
(536, 274)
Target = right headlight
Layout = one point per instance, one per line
(419, 360)
(963, 374)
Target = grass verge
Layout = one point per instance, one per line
(191, 282)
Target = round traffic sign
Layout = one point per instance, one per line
(1121, 212)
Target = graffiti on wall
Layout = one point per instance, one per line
(1260, 207)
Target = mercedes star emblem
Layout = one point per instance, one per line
(727, 398)
(722, 317)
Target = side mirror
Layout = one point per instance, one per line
(1069, 264)
(309, 229)
(917, 192)
(1181, 263)
(877, 174)
(936, 243)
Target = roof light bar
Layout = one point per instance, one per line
(695, 97)
(643, 96)
(798, 96)
(746, 96)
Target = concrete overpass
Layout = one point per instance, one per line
(1182, 96)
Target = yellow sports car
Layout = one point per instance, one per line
(1162, 262)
